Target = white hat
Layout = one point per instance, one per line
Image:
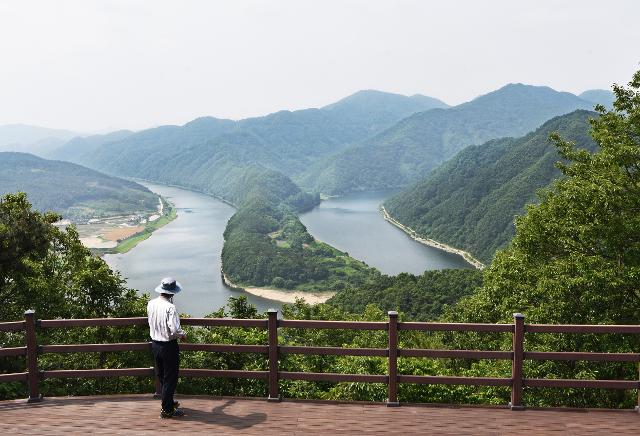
(168, 285)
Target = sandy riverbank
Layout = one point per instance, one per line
(432, 243)
(281, 295)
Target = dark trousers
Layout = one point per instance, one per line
(167, 357)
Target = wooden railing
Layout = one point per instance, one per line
(516, 355)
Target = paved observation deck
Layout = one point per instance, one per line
(139, 414)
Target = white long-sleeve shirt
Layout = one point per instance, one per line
(164, 323)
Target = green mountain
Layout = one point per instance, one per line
(470, 201)
(141, 149)
(599, 96)
(379, 110)
(71, 190)
(285, 141)
(81, 148)
(414, 146)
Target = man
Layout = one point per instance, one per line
(164, 326)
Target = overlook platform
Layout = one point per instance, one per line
(138, 414)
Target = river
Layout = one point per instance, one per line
(354, 224)
(189, 249)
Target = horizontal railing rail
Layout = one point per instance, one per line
(12, 326)
(273, 351)
(91, 322)
(455, 327)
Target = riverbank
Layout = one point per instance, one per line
(281, 295)
(431, 242)
(186, 188)
(119, 234)
(130, 243)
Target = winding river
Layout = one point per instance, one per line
(189, 247)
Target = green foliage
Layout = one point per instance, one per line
(575, 257)
(267, 245)
(48, 269)
(420, 298)
(24, 240)
(470, 201)
(414, 146)
(73, 191)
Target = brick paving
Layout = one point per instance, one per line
(139, 415)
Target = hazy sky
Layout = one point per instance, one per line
(95, 65)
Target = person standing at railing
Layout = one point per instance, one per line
(165, 330)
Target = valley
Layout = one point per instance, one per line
(441, 200)
(283, 240)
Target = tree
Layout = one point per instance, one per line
(576, 256)
(47, 268)
(24, 238)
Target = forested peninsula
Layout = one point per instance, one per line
(266, 245)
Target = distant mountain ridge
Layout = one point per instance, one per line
(73, 191)
(414, 146)
(289, 142)
(381, 109)
(470, 201)
(345, 146)
(599, 96)
(80, 148)
(32, 139)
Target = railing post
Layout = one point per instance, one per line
(638, 403)
(516, 365)
(32, 357)
(392, 399)
(272, 325)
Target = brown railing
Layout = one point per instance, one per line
(516, 355)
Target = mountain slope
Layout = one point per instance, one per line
(470, 201)
(81, 148)
(26, 134)
(134, 149)
(284, 141)
(599, 96)
(379, 110)
(32, 139)
(417, 144)
(71, 190)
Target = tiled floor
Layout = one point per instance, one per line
(139, 414)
